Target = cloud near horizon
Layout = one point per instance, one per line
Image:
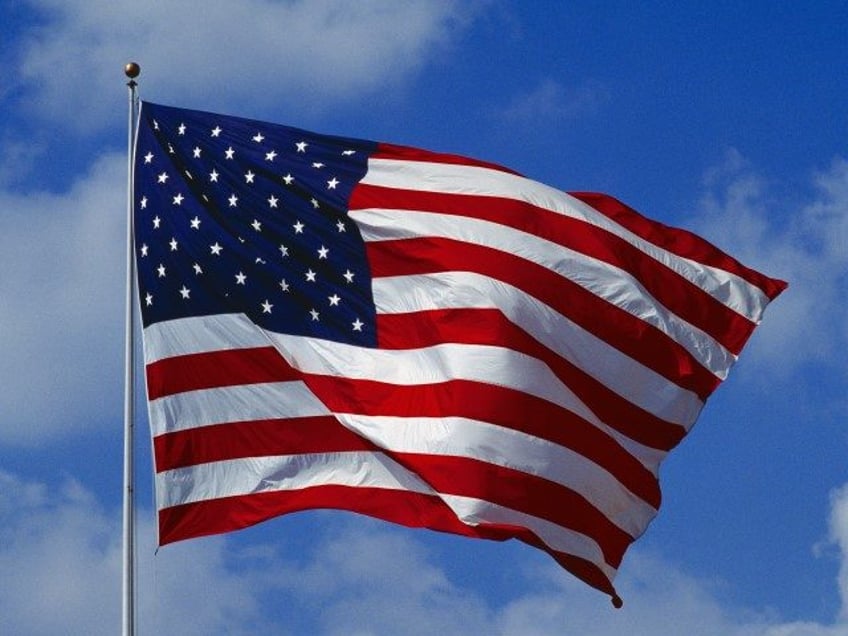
(60, 573)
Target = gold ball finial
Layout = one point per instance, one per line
(131, 70)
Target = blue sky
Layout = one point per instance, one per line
(729, 119)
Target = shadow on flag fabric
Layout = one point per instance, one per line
(420, 337)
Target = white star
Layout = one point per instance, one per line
(347, 153)
(161, 270)
(181, 129)
(216, 249)
(314, 313)
(341, 226)
(269, 156)
(148, 299)
(284, 250)
(148, 157)
(162, 177)
(318, 165)
(288, 179)
(332, 183)
(197, 150)
(144, 249)
(155, 125)
(357, 325)
(298, 228)
(195, 223)
(266, 307)
(310, 276)
(256, 225)
(171, 150)
(185, 291)
(258, 138)
(229, 152)
(213, 176)
(301, 146)
(216, 131)
(272, 201)
(173, 244)
(322, 252)
(233, 200)
(178, 199)
(334, 300)
(248, 177)
(348, 276)
(314, 203)
(156, 222)
(240, 278)
(143, 202)
(197, 269)
(284, 285)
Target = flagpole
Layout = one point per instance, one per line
(131, 70)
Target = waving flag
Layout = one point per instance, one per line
(420, 337)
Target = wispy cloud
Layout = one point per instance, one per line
(550, 101)
(739, 211)
(299, 55)
(61, 276)
(60, 573)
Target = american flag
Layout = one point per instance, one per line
(424, 338)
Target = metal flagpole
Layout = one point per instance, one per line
(128, 592)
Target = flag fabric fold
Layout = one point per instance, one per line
(424, 338)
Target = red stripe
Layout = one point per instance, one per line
(491, 327)
(407, 153)
(497, 405)
(634, 337)
(680, 296)
(677, 241)
(406, 508)
(462, 398)
(208, 370)
(519, 491)
(258, 438)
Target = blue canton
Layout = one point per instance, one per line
(241, 216)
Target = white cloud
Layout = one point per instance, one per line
(61, 306)
(370, 580)
(551, 101)
(803, 243)
(60, 573)
(295, 54)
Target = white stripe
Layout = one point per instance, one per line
(241, 403)
(408, 367)
(239, 477)
(616, 286)
(728, 288)
(500, 446)
(429, 365)
(635, 382)
(476, 512)
(683, 407)
(245, 476)
(183, 336)
(441, 436)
